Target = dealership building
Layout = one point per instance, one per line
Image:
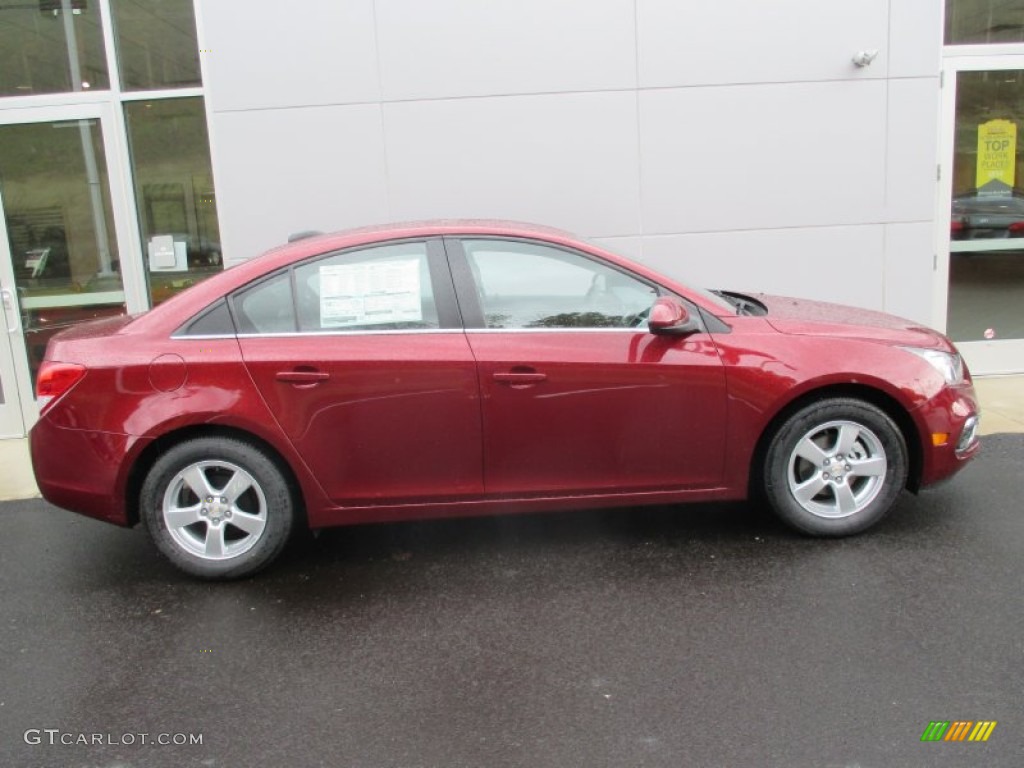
(859, 152)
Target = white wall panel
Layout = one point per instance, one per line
(756, 156)
(753, 157)
(282, 171)
(841, 264)
(445, 48)
(909, 270)
(568, 160)
(287, 55)
(701, 43)
(913, 149)
(915, 38)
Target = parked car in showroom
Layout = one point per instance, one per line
(979, 216)
(449, 369)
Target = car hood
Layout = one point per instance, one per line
(802, 317)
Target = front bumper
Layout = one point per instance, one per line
(948, 424)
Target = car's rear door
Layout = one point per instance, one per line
(577, 395)
(361, 357)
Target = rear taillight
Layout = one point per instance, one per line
(55, 379)
(1017, 227)
(956, 225)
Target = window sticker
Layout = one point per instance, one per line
(370, 293)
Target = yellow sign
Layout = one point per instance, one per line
(997, 153)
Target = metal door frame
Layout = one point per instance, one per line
(998, 356)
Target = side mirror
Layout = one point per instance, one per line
(669, 316)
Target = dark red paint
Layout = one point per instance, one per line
(402, 426)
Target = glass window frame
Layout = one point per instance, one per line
(111, 101)
(948, 14)
(987, 357)
(142, 217)
(78, 85)
(119, 58)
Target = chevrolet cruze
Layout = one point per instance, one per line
(448, 369)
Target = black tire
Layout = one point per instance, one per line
(835, 467)
(237, 526)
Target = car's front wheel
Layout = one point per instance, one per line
(835, 467)
(217, 507)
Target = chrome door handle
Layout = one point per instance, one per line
(520, 378)
(302, 377)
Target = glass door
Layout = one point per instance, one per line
(984, 181)
(12, 423)
(63, 233)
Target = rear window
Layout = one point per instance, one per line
(213, 321)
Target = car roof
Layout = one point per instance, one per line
(423, 228)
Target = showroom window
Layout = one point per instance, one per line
(156, 44)
(174, 194)
(526, 285)
(66, 265)
(106, 182)
(986, 182)
(986, 273)
(984, 21)
(45, 50)
(158, 54)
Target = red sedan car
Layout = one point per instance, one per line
(465, 368)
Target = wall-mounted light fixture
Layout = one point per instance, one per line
(863, 58)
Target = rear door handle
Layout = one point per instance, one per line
(520, 378)
(302, 377)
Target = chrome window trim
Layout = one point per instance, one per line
(641, 329)
(319, 334)
(411, 331)
(201, 336)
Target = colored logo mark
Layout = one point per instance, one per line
(958, 730)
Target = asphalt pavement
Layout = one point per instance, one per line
(700, 636)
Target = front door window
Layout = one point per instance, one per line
(525, 285)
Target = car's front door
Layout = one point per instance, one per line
(577, 395)
(361, 358)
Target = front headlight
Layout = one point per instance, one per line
(950, 365)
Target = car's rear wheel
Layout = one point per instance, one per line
(217, 507)
(835, 467)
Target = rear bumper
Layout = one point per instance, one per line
(78, 469)
(949, 438)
